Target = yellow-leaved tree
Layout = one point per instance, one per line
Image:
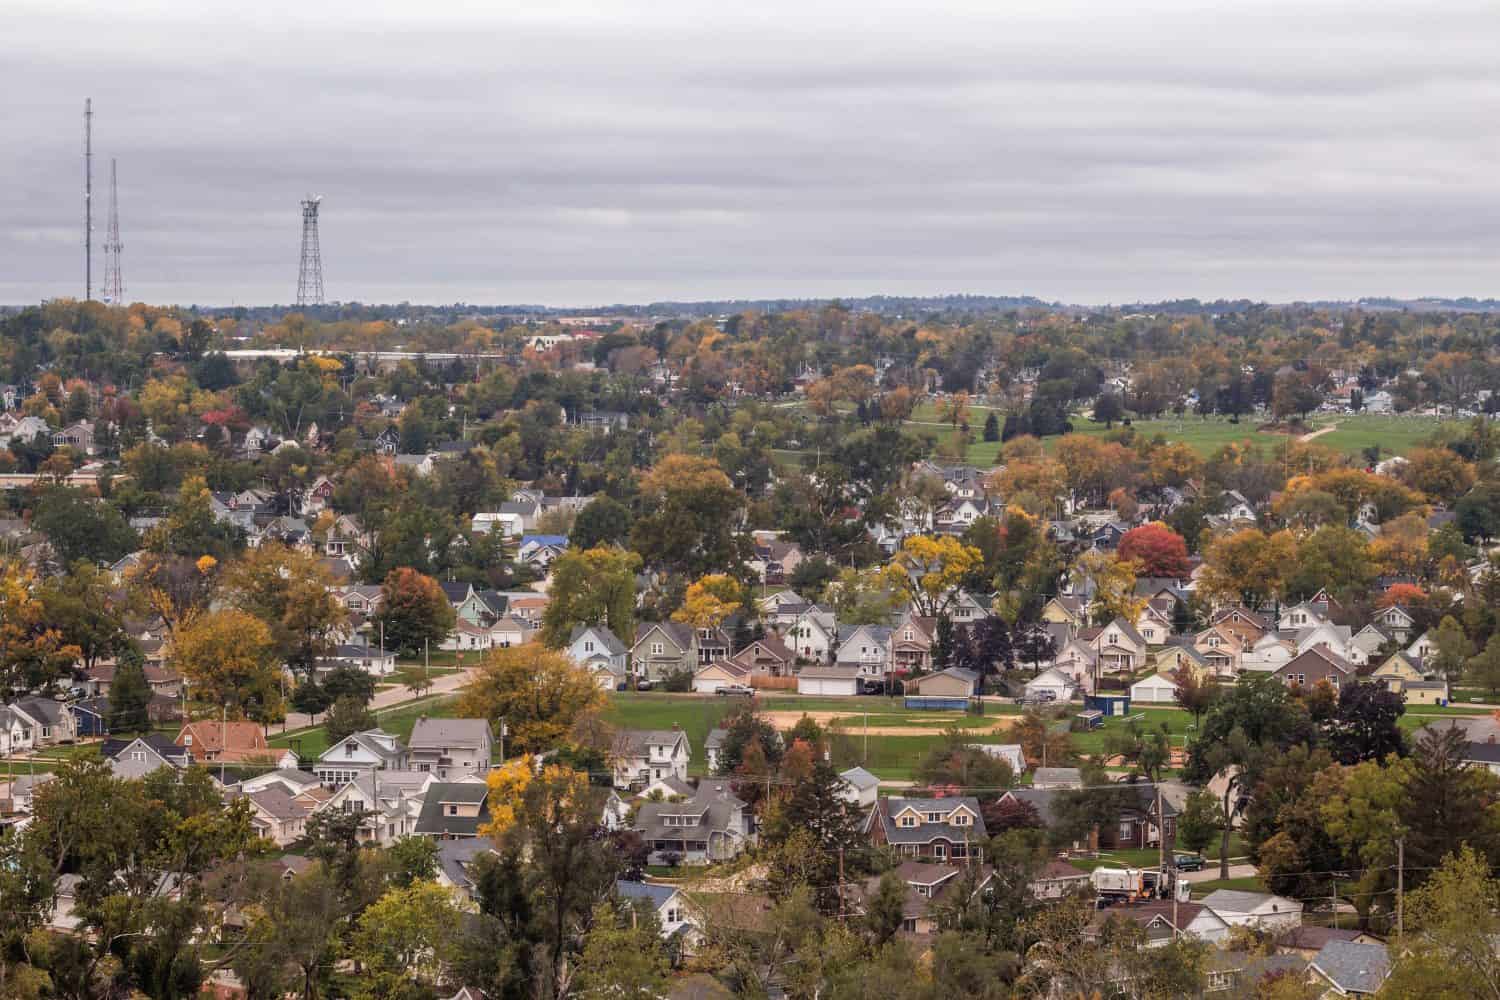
(709, 600)
(229, 659)
(927, 571)
(543, 696)
(1111, 581)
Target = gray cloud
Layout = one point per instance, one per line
(578, 153)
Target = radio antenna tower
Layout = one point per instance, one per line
(88, 198)
(310, 277)
(114, 280)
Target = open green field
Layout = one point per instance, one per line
(1396, 435)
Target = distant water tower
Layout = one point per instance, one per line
(310, 277)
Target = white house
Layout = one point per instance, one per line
(1261, 910)
(450, 748)
(644, 755)
(358, 754)
(600, 651)
(859, 787)
(670, 906)
(814, 635)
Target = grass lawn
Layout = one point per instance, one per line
(1130, 857)
(1396, 435)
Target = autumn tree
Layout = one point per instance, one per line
(1438, 472)
(33, 654)
(1248, 566)
(404, 942)
(927, 570)
(688, 515)
(542, 695)
(290, 591)
(622, 959)
(591, 587)
(1158, 550)
(709, 601)
(1111, 581)
(414, 611)
(229, 659)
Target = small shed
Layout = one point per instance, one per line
(1156, 688)
(1108, 704)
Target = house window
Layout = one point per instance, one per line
(139, 755)
(934, 817)
(960, 819)
(672, 916)
(657, 649)
(940, 851)
(960, 850)
(907, 821)
(453, 810)
(908, 635)
(1127, 830)
(588, 647)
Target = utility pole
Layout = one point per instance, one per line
(502, 739)
(841, 885)
(1400, 888)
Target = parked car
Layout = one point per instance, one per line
(643, 684)
(1188, 862)
(732, 689)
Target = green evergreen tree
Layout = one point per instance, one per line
(130, 694)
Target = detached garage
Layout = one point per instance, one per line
(709, 679)
(838, 681)
(1156, 688)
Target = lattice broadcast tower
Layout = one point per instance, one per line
(310, 277)
(114, 279)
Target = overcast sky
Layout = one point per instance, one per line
(576, 153)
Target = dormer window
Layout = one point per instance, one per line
(907, 820)
(934, 817)
(960, 819)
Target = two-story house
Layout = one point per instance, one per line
(388, 802)
(450, 748)
(358, 754)
(640, 756)
(1120, 648)
(931, 829)
(599, 651)
(911, 643)
(867, 647)
(713, 825)
(813, 636)
(452, 810)
(1319, 663)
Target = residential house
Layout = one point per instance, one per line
(363, 600)
(360, 754)
(931, 829)
(859, 787)
(724, 673)
(79, 435)
(1164, 921)
(966, 607)
(371, 659)
(713, 825)
(227, 742)
(867, 647)
(711, 748)
(452, 810)
(136, 758)
(775, 560)
(1136, 824)
(275, 814)
(1057, 777)
(642, 755)
(1396, 622)
(911, 644)
(1069, 610)
(1235, 973)
(1181, 657)
(91, 716)
(42, 722)
(666, 648)
(598, 650)
(389, 802)
(814, 635)
(539, 551)
(1159, 687)
(1368, 641)
(1306, 940)
(1245, 625)
(455, 865)
(1317, 664)
(1120, 648)
(1058, 879)
(1222, 648)
(1350, 968)
(1260, 910)
(766, 657)
(673, 913)
(1051, 684)
(927, 886)
(450, 748)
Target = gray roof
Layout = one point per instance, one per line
(455, 856)
(428, 733)
(657, 894)
(1040, 799)
(434, 821)
(716, 738)
(859, 778)
(42, 709)
(277, 801)
(925, 833)
(1353, 966)
(713, 802)
(611, 642)
(1235, 901)
(637, 742)
(1057, 775)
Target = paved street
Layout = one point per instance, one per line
(1210, 872)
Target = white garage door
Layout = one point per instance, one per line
(827, 686)
(707, 685)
